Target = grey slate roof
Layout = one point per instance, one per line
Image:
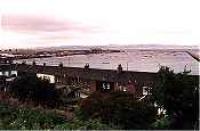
(88, 74)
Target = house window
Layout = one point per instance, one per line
(145, 90)
(106, 86)
(6, 73)
(124, 89)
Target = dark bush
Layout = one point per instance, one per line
(29, 87)
(27, 119)
(120, 109)
(179, 95)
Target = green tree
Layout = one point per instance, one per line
(179, 95)
(120, 109)
(29, 87)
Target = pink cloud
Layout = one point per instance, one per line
(18, 23)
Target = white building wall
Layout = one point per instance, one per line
(51, 78)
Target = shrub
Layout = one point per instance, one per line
(24, 118)
(29, 87)
(28, 119)
(179, 95)
(120, 109)
(78, 124)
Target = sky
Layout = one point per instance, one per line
(46, 23)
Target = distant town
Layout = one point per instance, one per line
(27, 53)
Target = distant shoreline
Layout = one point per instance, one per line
(196, 57)
(58, 53)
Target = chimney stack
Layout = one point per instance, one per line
(119, 68)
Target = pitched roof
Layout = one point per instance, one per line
(88, 74)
